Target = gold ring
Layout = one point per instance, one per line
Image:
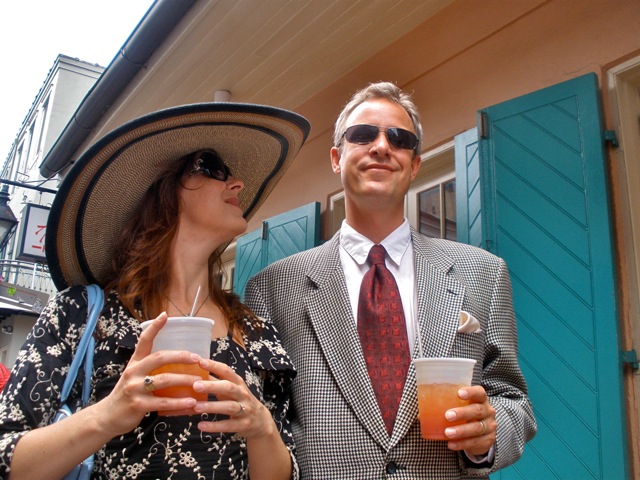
(148, 383)
(240, 412)
(484, 428)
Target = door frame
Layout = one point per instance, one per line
(623, 92)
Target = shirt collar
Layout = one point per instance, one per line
(358, 246)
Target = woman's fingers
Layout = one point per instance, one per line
(240, 410)
(145, 341)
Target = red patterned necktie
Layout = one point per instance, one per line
(383, 334)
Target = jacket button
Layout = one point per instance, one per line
(392, 468)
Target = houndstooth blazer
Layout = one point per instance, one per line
(337, 424)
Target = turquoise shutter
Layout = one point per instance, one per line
(545, 210)
(279, 237)
(468, 192)
(248, 259)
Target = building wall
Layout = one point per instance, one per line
(73, 79)
(22, 325)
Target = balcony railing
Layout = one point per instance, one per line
(29, 275)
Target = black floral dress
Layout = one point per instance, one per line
(160, 447)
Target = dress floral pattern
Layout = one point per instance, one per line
(160, 447)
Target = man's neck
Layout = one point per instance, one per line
(376, 226)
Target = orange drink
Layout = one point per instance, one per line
(438, 380)
(433, 401)
(180, 391)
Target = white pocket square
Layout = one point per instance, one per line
(468, 323)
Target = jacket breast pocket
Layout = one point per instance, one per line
(468, 345)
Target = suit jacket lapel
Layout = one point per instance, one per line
(440, 297)
(332, 318)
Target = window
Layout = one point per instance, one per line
(431, 201)
(337, 213)
(43, 123)
(437, 211)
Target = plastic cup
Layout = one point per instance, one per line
(439, 380)
(192, 334)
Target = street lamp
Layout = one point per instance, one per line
(8, 220)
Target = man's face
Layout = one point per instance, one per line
(376, 175)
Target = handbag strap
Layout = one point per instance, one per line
(86, 347)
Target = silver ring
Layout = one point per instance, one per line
(240, 412)
(484, 428)
(148, 383)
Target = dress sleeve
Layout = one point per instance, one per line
(278, 375)
(32, 394)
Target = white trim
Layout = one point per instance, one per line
(624, 93)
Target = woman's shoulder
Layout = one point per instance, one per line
(264, 345)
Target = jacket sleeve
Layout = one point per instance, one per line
(502, 377)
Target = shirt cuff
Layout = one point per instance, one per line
(486, 458)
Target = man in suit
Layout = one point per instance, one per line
(313, 299)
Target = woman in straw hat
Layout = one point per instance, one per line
(145, 213)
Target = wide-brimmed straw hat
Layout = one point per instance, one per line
(105, 186)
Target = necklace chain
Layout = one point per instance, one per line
(194, 313)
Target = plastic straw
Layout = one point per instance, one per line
(416, 333)
(195, 302)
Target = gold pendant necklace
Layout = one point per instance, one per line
(194, 313)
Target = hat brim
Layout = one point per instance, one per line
(106, 185)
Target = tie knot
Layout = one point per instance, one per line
(376, 255)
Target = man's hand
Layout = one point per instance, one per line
(479, 433)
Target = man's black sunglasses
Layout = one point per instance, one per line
(209, 163)
(397, 137)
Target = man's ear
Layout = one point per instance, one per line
(415, 166)
(335, 159)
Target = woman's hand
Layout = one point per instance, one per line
(123, 409)
(247, 415)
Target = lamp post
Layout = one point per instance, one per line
(8, 220)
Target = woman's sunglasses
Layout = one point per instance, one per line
(365, 134)
(210, 164)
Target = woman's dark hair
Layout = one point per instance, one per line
(141, 260)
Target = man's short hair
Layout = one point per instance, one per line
(380, 90)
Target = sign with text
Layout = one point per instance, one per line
(32, 228)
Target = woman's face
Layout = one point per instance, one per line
(210, 207)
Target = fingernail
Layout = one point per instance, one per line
(198, 386)
(463, 394)
(195, 356)
(450, 432)
(450, 415)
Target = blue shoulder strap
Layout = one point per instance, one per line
(84, 353)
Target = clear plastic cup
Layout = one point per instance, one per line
(192, 334)
(439, 380)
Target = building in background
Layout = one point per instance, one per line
(25, 199)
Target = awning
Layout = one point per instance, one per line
(7, 309)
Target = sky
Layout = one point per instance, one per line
(34, 32)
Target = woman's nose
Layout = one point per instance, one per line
(234, 183)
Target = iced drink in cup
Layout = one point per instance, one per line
(439, 380)
(192, 334)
